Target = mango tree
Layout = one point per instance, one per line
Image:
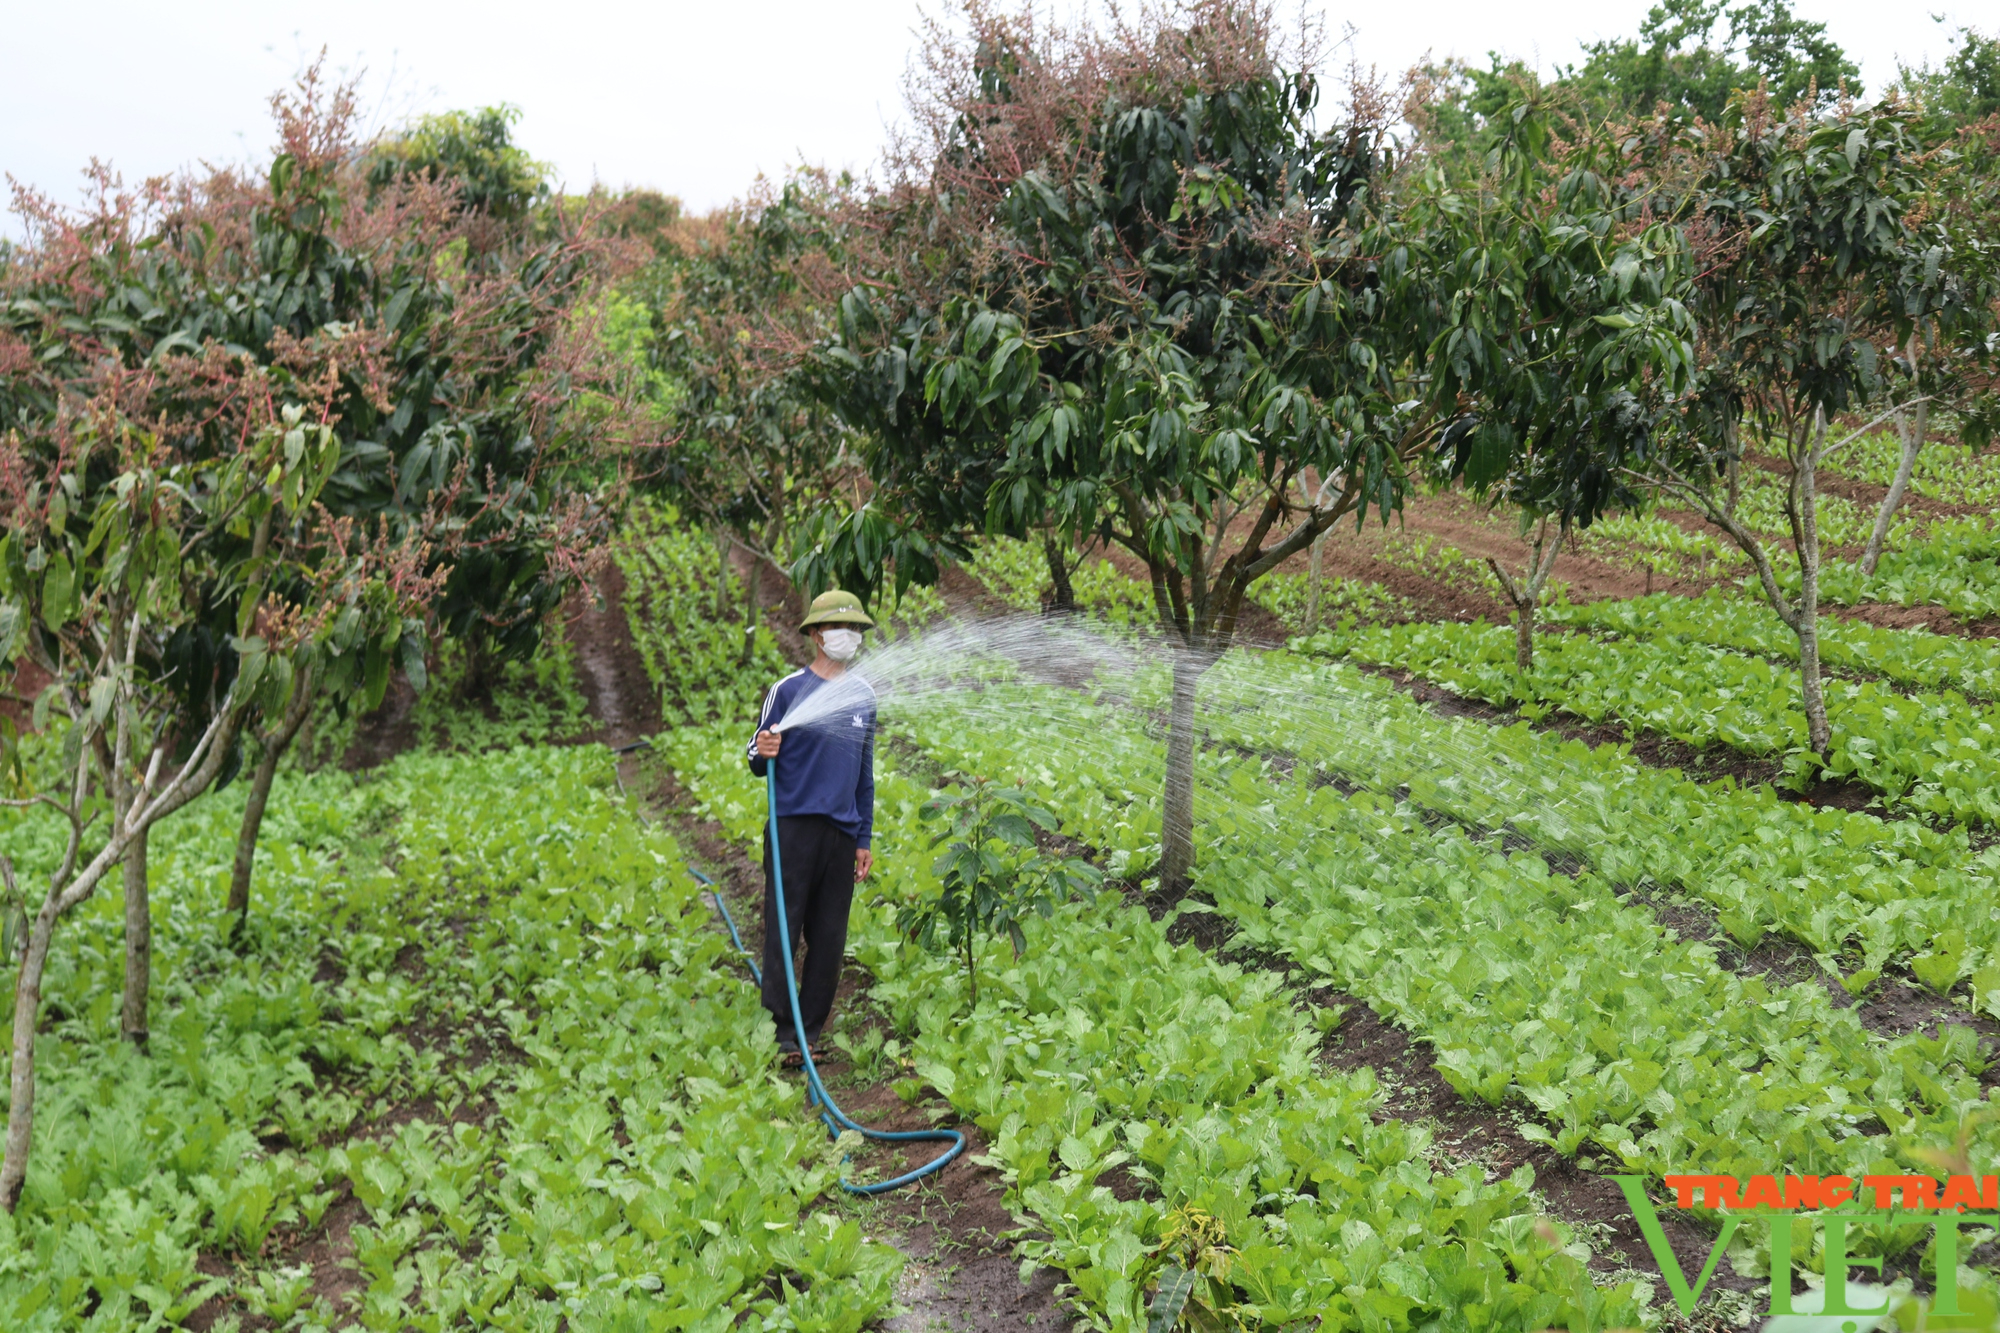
(121, 539)
(421, 353)
(1126, 289)
(458, 423)
(1945, 359)
(1565, 333)
(754, 450)
(1805, 243)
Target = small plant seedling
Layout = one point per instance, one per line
(279, 1295)
(870, 1054)
(990, 875)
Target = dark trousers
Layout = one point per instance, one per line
(819, 888)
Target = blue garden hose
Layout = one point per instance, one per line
(835, 1118)
(715, 896)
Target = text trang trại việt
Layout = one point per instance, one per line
(1834, 1202)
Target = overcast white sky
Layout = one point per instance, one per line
(691, 98)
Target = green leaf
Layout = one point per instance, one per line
(58, 588)
(412, 652)
(103, 693)
(1176, 1285)
(375, 675)
(251, 658)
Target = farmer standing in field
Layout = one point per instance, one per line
(826, 813)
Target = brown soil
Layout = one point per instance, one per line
(1480, 533)
(386, 731)
(1870, 496)
(329, 1249)
(967, 595)
(17, 698)
(1888, 615)
(609, 670)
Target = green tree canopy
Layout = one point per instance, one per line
(1130, 288)
(1689, 55)
(1966, 85)
(474, 152)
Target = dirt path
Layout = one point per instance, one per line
(609, 670)
(961, 1275)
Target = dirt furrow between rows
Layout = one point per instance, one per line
(961, 1274)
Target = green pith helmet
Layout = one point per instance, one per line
(834, 607)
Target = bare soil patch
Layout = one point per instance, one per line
(1870, 495)
(385, 731)
(1889, 615)
(610, 672)
(17, 697)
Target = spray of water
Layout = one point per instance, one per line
(957, 659)
(1059, 686)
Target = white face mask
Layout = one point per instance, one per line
(841, 644)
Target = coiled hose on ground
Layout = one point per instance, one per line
(829, 1111)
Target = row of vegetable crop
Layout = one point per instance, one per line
(1934, 753)
(1954, 475)
(1528, 984)
(494, 1040)
(1861, 891)
(1106, 1045)
(1955, 565)
(1911, 656)
(1844, 883)
(651, 1166)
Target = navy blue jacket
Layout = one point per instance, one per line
(828, 766)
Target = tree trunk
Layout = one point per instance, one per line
(275, 744)
(1062, 599)
(1819, 735)
(138, 945)
(27, 1013)
(1312, 585)
(1177, 806)
(753, 592)
(246, 835)
(1912, 433)
(1527, 595)
(723, 545)
(136, 997)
